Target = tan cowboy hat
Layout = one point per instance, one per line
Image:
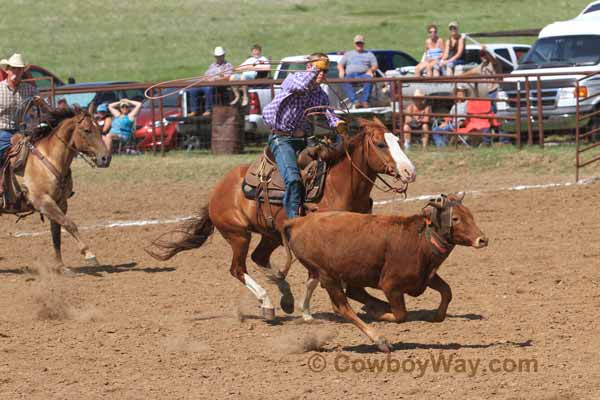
(16, 61)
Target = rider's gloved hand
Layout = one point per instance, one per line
(341, 128)
(322, 64)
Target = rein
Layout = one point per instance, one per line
(323, 110)
(84, 156)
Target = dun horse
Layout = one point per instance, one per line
(348, 185)
(46, 181)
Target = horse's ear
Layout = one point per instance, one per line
(363, 121)
(91, 108)
(378, 122)
(77, 109)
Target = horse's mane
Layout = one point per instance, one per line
(52, 120)
(334, 156)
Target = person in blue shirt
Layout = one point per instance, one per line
(358, 63)
(124, 113)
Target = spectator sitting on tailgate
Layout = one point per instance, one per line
(434, 49)
(419, 121)
(249, 70)
(455, 119)
(358, 63)
(454, 50)
(123, 119)
(220, 69)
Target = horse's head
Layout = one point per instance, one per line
(384, 154)
(87, 138)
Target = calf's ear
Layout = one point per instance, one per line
(438, 202)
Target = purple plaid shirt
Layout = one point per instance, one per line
(286, 111)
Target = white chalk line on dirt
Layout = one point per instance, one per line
(136, 223)
(581, 182)
(109, 225)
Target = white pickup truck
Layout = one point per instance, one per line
(566, 49)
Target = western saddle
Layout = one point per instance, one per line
(12, 195)
(263, 182)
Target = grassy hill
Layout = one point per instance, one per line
(155, 39)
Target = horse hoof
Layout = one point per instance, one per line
(268, 313)
(93, 261)
(384, 345)
(307, 318)
(287, 303)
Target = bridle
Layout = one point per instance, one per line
(87, 158)
(46, 162)
(440, 239)
(387, 166)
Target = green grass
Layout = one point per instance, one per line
(203, 169)
(149, 40)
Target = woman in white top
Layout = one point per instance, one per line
(249, 70)
(434, 49)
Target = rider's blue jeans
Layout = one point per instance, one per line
(5, 136)
(284, 149)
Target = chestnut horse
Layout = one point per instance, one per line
(47, 181)
(348, 185)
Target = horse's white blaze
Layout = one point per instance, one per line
(258, 291)
(402, 161)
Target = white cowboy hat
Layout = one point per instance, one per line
(418, 93)
(219, 51)
(16, 60)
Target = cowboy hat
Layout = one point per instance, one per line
(219, 51)
(418, 93)
(16, 61)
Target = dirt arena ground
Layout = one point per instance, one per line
(523, 323)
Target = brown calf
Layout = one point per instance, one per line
(393, 253)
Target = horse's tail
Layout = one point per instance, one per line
(191, 235)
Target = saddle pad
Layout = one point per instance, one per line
(313, 178)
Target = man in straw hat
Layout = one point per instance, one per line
(417, 119)
(220, 69)
(285, 116)
(13, 97)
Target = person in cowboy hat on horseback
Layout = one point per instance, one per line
(285, 116)
(14, 95)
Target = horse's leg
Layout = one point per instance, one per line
(262, 257)
(55, 230)
(311, 285)
(362, 296)
(56, 241)
(49, 208)
(240, 242)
